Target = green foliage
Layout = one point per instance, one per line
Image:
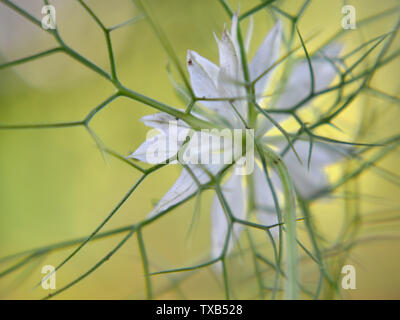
(285, 268)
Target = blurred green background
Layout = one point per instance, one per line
(55, 185)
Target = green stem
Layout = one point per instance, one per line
(191, 120)
(292, 267)
(145, 263)
(30, 58)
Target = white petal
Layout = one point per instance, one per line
(230, 72)
(231, 75)
(235, 197)
(234, 37)
(269, 218)
(263, 194)
(308, 181)
(202, 77)
(155, 150)
(332, 50)
(210, 68)
(184, 187)
(249, 34)
(165, 144)
(265, 57)
(228, 55)
(163, 122)
(264, 201)
(216, 147)
(263, 124)
(323, 154)
(202, 83)
(298, 85)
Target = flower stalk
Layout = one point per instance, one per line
(269, 157)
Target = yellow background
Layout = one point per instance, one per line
(55, 184)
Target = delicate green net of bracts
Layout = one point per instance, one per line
(264, 220)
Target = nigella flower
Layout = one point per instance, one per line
(210, 83)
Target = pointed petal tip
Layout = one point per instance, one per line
(145, 118)
(193, 58)
(150, 117)
(234, 22)
(133, 155)
(333, 49)
(278, 26)
(189, 58)
(216, 37)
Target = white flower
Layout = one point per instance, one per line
(211, 81)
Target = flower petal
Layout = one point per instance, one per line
(265, 57)
(235, 196)
(230, 72)
(309, 181)
(185, 186)
(262, 191)
(264, 201)
(263, 124)
(228, 58)
(155, 150)
(214, 147)
(171, 134)
(210, 68)
(202, 82)
(234, 35)
(323, 154)
(203, 77)
(298, 85)
(163, 122)
(249, 34)
(332, 50)
(230, 75)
